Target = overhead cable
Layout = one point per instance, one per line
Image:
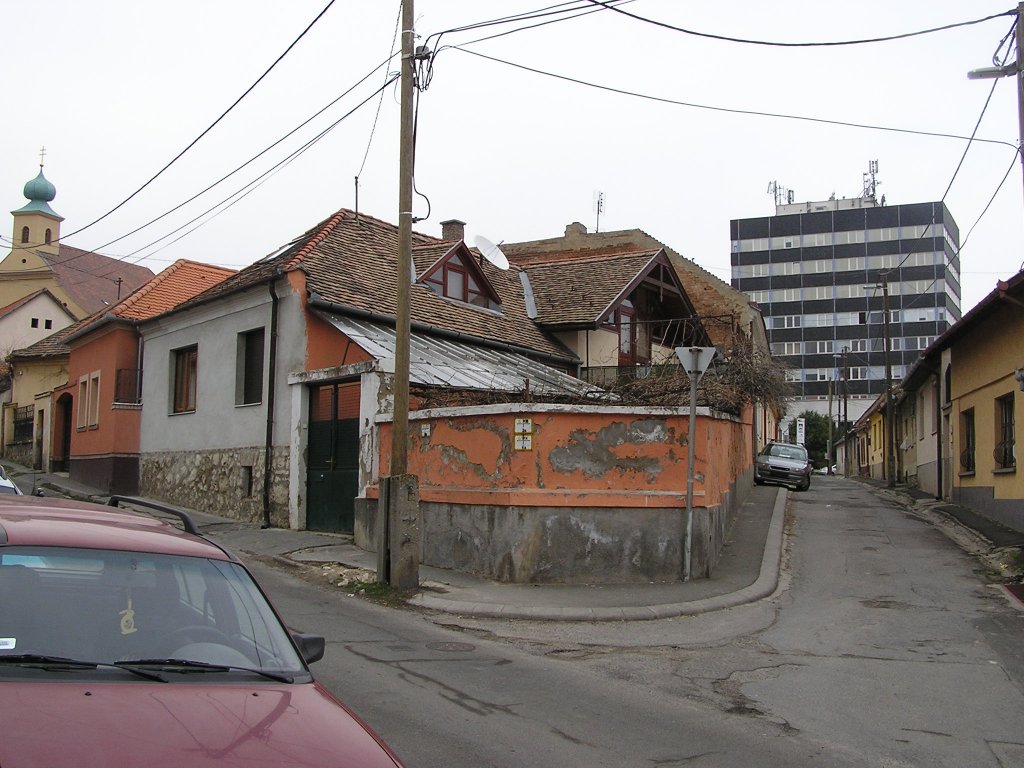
(833, 43)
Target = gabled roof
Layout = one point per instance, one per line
(90, 279)
(174, 285)
(580, 291)
(4, 311)
(710, 296)
(350, 263)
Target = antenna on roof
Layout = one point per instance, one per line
(491, 252)
(598, 208)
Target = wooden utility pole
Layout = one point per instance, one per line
(398, 506)
(890, 406)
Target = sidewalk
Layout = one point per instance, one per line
(747, 571)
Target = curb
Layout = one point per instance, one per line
(765, 585)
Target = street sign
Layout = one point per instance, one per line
(801, 431)
(695, 360)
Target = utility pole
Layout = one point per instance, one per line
(1015, 69)
(398, 506)
(828, 456)
(890, 409)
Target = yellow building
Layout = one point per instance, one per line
(82, 281)
(983, 383)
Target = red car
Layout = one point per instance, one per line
(126, 640)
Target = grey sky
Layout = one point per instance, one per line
(114, 89)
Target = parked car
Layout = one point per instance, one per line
(824, 470)
(126, 639)
(7, 485)
(783, 464)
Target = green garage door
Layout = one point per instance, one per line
(333, 477)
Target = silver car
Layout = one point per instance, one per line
(783, 464)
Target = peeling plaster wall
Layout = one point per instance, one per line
(599, 498)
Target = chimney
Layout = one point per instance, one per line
(453, 229)
(575, 231)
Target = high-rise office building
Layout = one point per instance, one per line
(818, 269)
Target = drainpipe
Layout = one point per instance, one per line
(268, 453)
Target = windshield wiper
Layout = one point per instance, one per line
(62, 662)
(190, 665)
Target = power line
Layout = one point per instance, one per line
(211, 126)
(728, 110)
(246, 189)
(228, 175)
(864, 41)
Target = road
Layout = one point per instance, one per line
(884, 646)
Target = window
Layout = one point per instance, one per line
(249, 367)
(185, 367)
(47, 324)
(24, 234)
(967, 442)
(1004, 451)
(455, 279)
(88, 401)
(34, 322)
(49, 236)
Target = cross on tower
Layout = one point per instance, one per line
(42, 154)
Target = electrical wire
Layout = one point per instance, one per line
(727, 110)
(210, 127)
(373, 129)
(252, 159)
(259, 180)
(835, 43)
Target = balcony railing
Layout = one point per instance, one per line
(1003, 454)
(128, 386)
(967, 460)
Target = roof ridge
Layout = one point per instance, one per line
(162, 277)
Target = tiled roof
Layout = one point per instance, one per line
(90, 279)
(574, 290)
(351, 260)
(710, 296)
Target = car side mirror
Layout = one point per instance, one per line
(310, 646)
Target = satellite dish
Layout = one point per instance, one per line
(491, 252)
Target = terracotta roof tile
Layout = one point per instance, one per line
(90, 279)
(577, 289)
(351, 260)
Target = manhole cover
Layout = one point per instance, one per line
(451, 647)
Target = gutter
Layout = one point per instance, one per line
(318, 302)
(268, 451)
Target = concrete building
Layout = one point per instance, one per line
(817, 269)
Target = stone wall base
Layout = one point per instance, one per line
(226, 482)
(564, 545)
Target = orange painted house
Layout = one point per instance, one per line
(98, 413)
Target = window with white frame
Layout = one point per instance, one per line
(89, 401)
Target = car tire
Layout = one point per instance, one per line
(758, 481)
(805, 485)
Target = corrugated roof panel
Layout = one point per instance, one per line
(436, 361)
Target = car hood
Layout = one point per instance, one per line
(171, 724)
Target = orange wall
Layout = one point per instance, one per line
(585, 457)
(118, 429)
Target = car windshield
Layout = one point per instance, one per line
(108, 606)
(784, 451)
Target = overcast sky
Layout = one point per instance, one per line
(114, 89)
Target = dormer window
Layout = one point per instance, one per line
(458, 278)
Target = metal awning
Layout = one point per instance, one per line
(442, 362)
